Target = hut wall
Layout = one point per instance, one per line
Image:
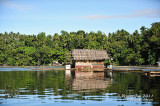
(84, 64)
(89, 64)
(98, 64)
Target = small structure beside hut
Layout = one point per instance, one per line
(158, 64)
(86, 58)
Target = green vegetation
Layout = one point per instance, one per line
(139, 48)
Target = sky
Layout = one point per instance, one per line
(52, 16)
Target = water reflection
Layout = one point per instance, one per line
(90, 81)
(78, 87)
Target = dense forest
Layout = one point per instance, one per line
(138, 48)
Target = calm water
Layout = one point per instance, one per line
(75, 88)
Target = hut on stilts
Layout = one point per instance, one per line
(86, 58)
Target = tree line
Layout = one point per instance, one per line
(138, 48)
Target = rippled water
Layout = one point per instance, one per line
(36, 88)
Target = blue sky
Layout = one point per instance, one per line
(52, 16)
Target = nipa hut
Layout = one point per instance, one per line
(86, 58)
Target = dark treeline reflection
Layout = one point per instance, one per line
(75, 85)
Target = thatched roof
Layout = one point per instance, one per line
(87, 54)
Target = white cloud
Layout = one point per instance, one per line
(134, 14)
(19, 7)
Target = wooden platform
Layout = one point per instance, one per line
(152, 73)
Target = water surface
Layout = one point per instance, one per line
(48, 88)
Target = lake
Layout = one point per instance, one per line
(78, 88)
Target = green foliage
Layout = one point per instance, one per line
(126, 49)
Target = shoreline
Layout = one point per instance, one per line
(114, 68)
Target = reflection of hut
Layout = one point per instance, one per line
(85, 58)
(89, 81)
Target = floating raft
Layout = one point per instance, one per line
(152, 73)
(135, 68)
